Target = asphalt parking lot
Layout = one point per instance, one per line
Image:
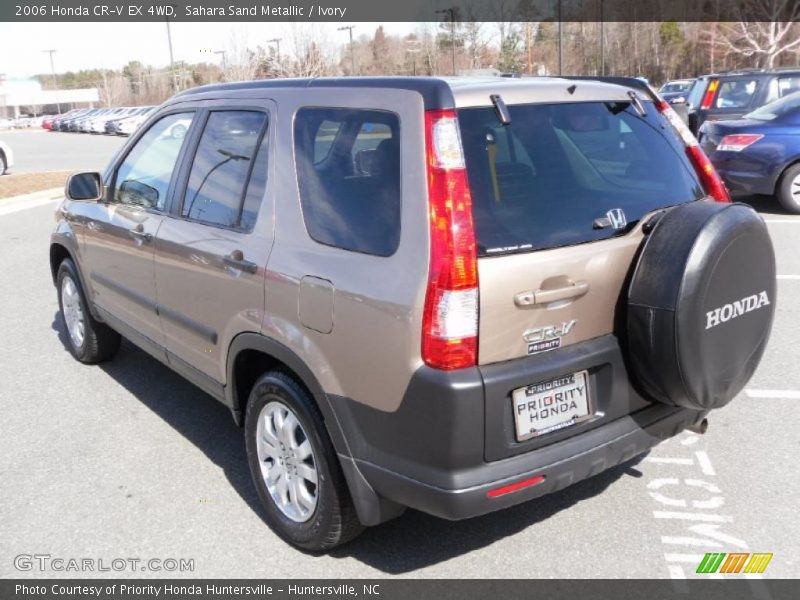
(128, 460)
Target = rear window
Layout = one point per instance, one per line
(736, 94)
(543, 180)
(695, 96)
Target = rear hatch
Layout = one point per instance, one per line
(558, 195)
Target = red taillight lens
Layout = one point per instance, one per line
(712, 183)
(708, 97)
(709, 178)
(450, 318)
(738, 142)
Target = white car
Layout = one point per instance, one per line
(131, 124)
(6, 158)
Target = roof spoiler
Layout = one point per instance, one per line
(630, 82)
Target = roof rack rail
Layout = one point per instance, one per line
(742, 71)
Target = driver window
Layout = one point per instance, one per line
(143, 177)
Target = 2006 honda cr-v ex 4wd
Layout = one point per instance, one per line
(452, 295)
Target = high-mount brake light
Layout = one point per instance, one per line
(450, 318)
(709, 178)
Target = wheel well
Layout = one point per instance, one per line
(57, 255)
(779, 180)
(248, 366)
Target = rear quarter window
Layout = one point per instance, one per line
(737, 93)
(348, 174)
(542, 181)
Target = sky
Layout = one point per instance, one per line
(112, 45)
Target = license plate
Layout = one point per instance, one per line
(550, 405)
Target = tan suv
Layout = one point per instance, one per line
(448, 294)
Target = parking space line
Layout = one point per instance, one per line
(795, 221)
(793, 277)
(778, 394)
(11, 207)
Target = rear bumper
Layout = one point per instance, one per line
(562, 464)
(452, 439)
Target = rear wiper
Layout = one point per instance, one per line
(501, 109)
(637, 104)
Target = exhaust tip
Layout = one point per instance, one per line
(700, 427)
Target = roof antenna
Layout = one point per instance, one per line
(501, 109)
(571, 89)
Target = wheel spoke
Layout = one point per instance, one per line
(303, 451)
(293, 496)
(282, 488)
(290, 424)
(307, 501)
(267, 450)
(307, 472)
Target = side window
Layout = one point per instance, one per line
(788, 85)
(220, 169)
(351, 198)
(736, 94)
(144, 175)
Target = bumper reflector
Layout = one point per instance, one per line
(515, 487)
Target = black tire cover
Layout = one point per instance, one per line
(700, 304)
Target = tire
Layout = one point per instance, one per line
(701, 303)
(789, 189)
(98, 341)
(332, 520)
(3, 164)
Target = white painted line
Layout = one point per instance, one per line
(705, 463)
(689, 541)
(670, 461)
(10, 207)
(795, 221)
(787, 277)
(778, 394)
(686, 516)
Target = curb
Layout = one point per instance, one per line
(25, 201)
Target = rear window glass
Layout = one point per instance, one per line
(348, 173)
(736, 94)
(543, 180)
(776, 109)
(695, 96)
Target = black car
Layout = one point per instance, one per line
(735, 93)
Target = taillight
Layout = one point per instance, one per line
(738, 142)
(450, 318)
(708, 97)
(709, 178)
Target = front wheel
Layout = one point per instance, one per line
(88, 340)
(789, 190)
(295, 468)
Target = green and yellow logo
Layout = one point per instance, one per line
(734, 562)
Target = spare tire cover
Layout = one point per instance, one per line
(700, 304)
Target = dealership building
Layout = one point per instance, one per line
(20, 97)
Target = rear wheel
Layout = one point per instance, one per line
(3, 164)
(88, 340)
(789, 190)
(295, 468)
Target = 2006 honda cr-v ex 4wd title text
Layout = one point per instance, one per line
(448, 294)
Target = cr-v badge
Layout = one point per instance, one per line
(547, 338)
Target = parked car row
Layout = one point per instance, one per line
(21, 122)
(113, 121)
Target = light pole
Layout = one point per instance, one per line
(55, 82)
(560, 42)
(602, 42)
(171, 58)
(451, 13)
(350, 28)
(277, 42)
(413, 53)
(222, 53)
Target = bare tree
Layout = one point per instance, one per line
(761, 34)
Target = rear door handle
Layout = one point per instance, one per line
(139, 233)
(236, 260)
(538, 297)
